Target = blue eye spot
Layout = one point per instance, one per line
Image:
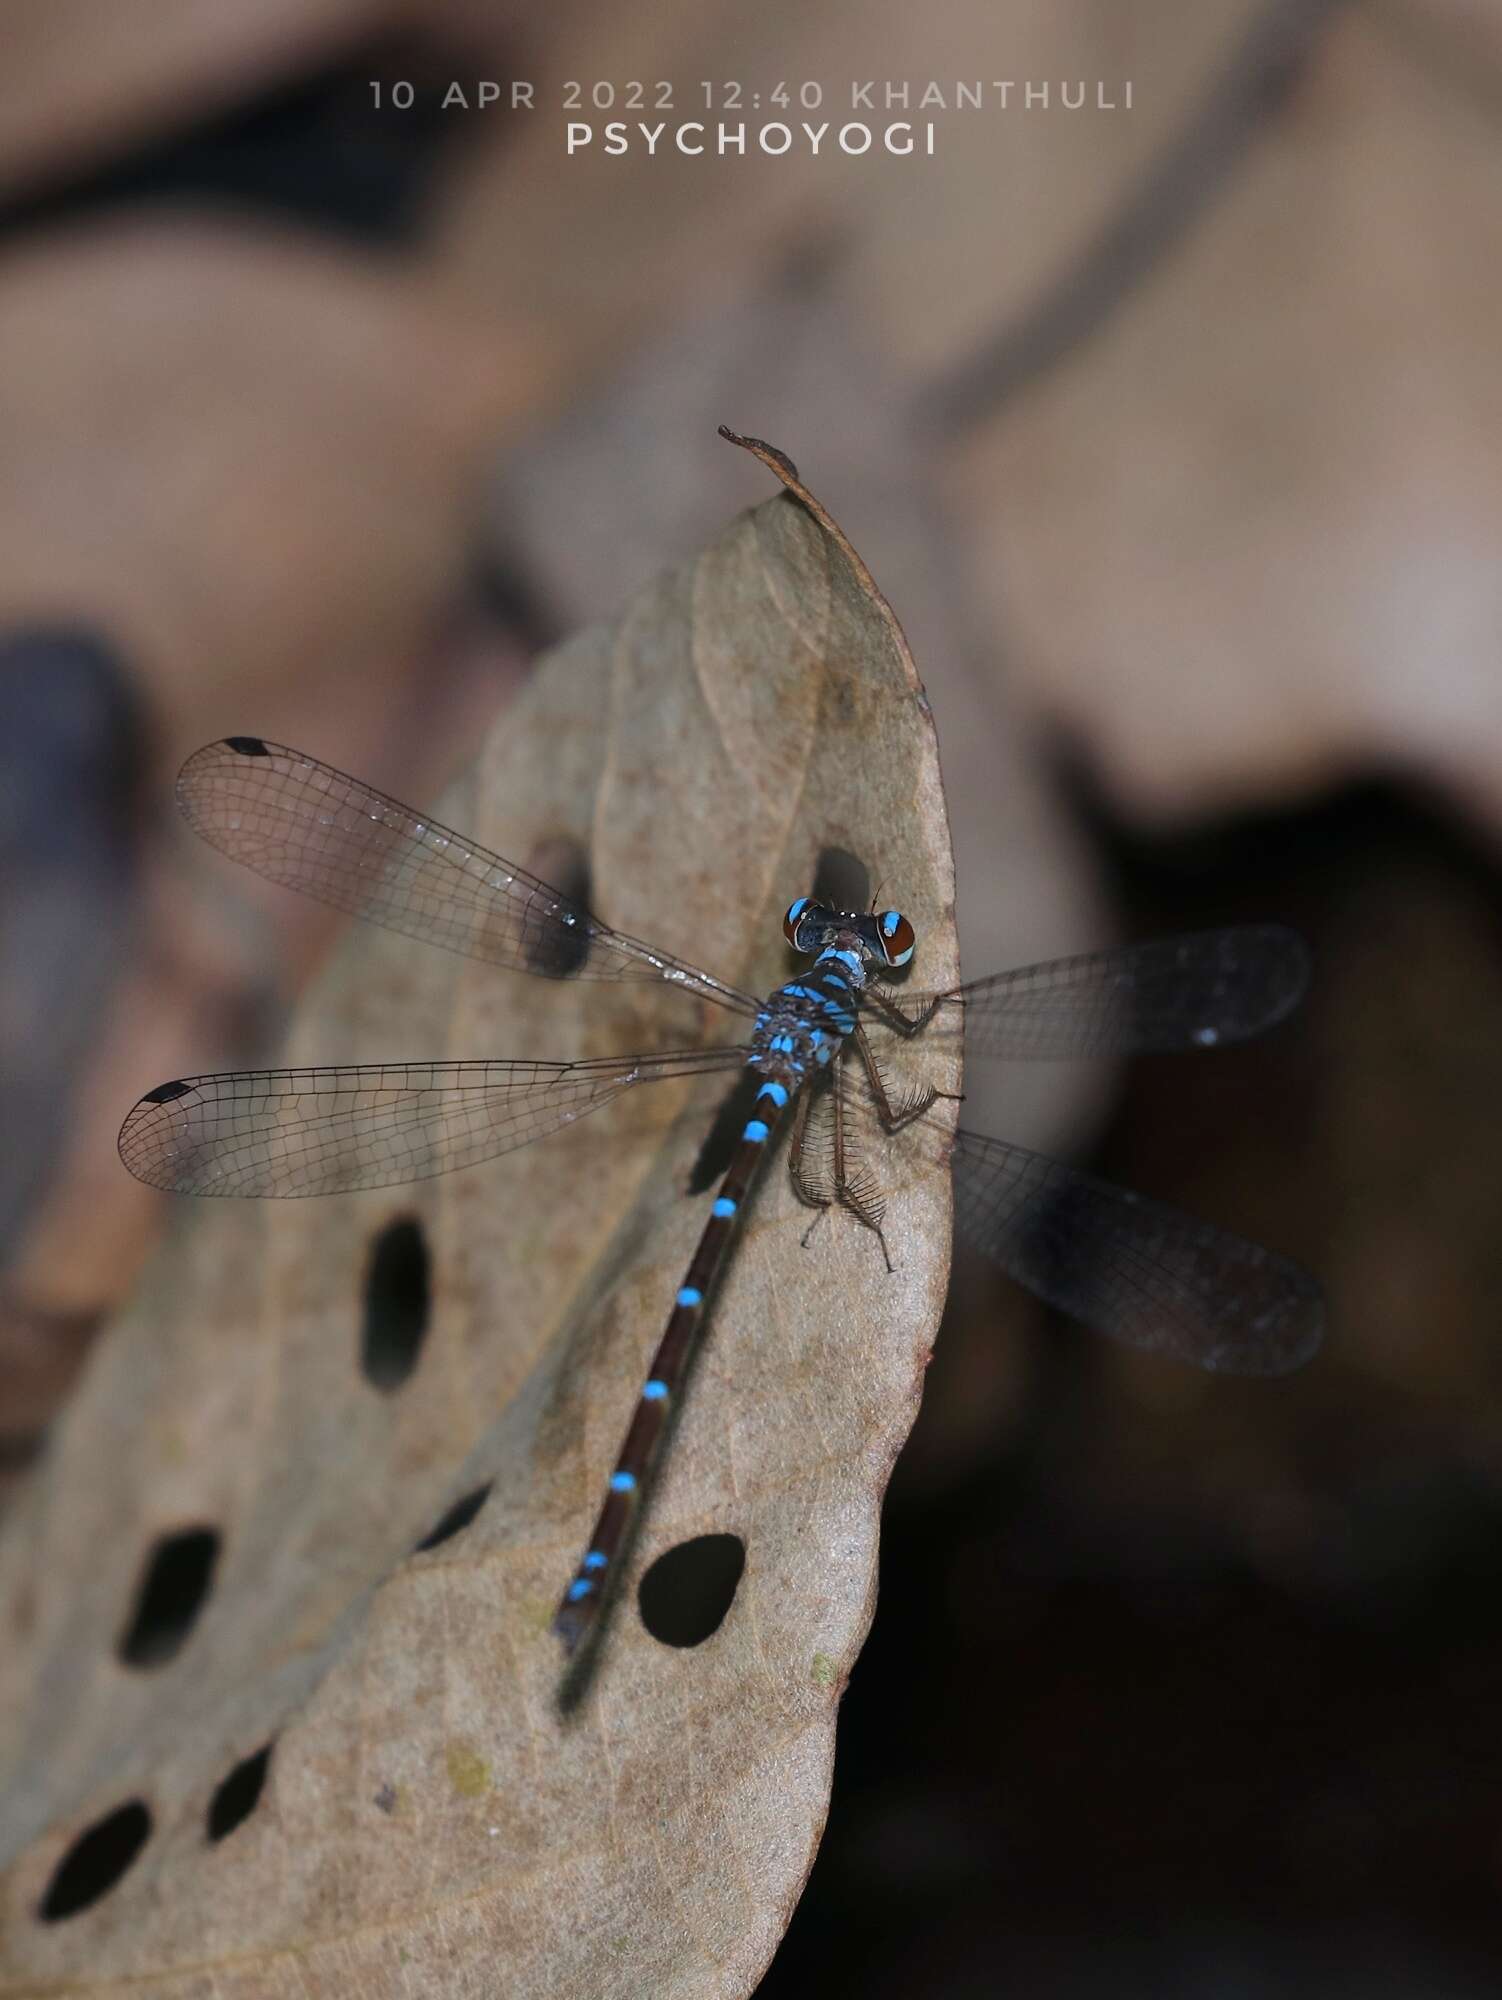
(890, 919)
(795, 910)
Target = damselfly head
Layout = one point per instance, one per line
(884, 938)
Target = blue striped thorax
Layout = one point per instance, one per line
(804, 1023)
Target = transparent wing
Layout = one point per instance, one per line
(1173, 993)
(328, 1130)
(1134, 1269)
(309, 827)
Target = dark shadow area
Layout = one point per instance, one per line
(841, 880)
(556, 948)
(315, 149)
(724, 1133)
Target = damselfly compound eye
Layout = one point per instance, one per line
(896, 934)
(791, 921)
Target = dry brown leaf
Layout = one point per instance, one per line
(1242, 544)
(430, 1822)
(230, 447)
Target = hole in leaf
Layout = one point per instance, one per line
(458, 1516)
(237, 1796)
(96, 1861)
(558, 951)
(398, 1296)
(172, 1592)
(720, 1141)
(685, 1595)
(842, 880)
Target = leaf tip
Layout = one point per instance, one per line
(759, 448)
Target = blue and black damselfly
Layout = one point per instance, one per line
(1131, 1268)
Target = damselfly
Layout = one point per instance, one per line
(1132, 1268)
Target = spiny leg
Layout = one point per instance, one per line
(809, 1192)
(892, 1014)
(854, 1188)
(894, 1116)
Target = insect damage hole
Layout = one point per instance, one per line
(96, 1861)
(456, 1519)
(398, 1300)
(170, 1597)
(237, 1796)
(687, 1593)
